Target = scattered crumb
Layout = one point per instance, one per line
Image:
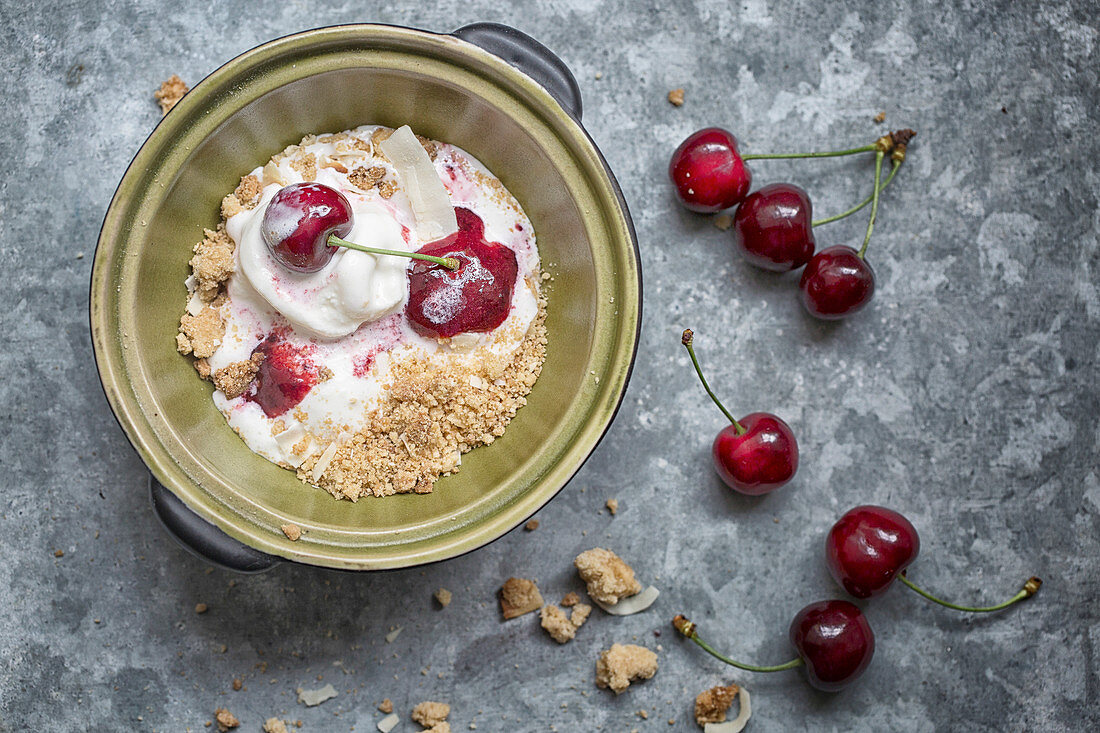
(570, 599)
(386, 189)
(59, 553)
(249, 190)
(366, 178)
(306, 165)
(443, 596)
(622, 664)
(613, 506)
(201, 608)
(386, 706)
(80, 255)
(599, 75)
(557, 624)
(433, 716)
(225, 719)
(233, 380)
(292, 531)
(643, 715)
(676, 97)
(312, 698)
(711, 705)
(579, 615)
(532, 525)
(608, 578)
(879, 118)
(238, 683)
(200, 334)
(274, 725)
(723, 221)
(519, 596)
(170, 92)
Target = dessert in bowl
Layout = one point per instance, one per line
(332, 79)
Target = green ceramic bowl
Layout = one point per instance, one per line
(328, 80)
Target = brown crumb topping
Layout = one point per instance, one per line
(366, 178)
(443, 597)
(613, 506)
(306, 165)
(563, 628)
(711, 705)
(570, 599)
(607, 577)
(292, 531)
(386, 189)
(202, 334)
(274, 725)
(622, 664)
(202, 366)
(248, 192)
(213, 262)
(880, 117)
(519, 596)
(433, 716)
(233, 380)
(532, 525)
(676, 97)
(386, 706)
(225, 719)
(170, 92)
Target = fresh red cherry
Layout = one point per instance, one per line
(836, 283)
(772, 227)
(475, 297)
(835, 641)
(298, 222)
(708, 171)
(754, 455)
(758, 460)
(285, 376)
(868, 547)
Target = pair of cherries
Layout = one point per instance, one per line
(462, 283)
(773, 227)
(866, 550)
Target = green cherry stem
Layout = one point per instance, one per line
(862, 204)
(1031, 587)
(874, 204)
(687, 338)
(829, 154)
(687, 628)
(449, 262)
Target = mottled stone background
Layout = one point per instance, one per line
(965, 397)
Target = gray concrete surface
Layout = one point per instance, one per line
(966, 397)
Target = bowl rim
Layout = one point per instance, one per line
(161, 463)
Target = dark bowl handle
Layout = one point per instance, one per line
(203, 539)
(530, 57)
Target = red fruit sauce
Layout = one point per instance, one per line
(285, 377)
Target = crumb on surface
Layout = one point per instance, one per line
(580, 614)
(723, 221)
(880, 117)
(238, 684)
(519, 596)
(59, 553)
(225, 719)
(676, 97)
(433, 716)
(570, 599)
(443, 596)
(386, 706)
(170, 92)
(202, 334)
(613, 506)
(711, 705)
(233, 380)
(607, 577)
(274, 725)
(560, 627)
(532, 525)
(622, 664)
(292, 531)
(201, 608)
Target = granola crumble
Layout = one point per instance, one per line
(519, 596)
(560, 627)
(711, 705)
(433, 716)
(607, 577)
(622, 664)
(225, 719)
(676, 97)
(234, 379)
(170, 92)
(386, 706)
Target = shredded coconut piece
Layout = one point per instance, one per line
(393, 634)
(388, 723)
(519, 596)
(607, 577)
(313, 698)
(737, 724)
(622, 664)
(632, 604)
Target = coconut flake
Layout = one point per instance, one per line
(312, 698)
(326, 458)
(632, 604)
(195, 304)
(289, 438)
(737, 724)
(388, 723)
(392, 636)
(431, 204)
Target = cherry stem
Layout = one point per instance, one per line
(829, 154)
(687, 628)
(874, 204)
(1031, 587)
(449, 262)
(865, 202)
(687, 340)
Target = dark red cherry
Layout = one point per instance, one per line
(476, 297)
(708, 172)
(836, 283)
(285, 377)
(835, 641)
(772, 227)
(298, 222)
(761, 459)
(868, 547)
